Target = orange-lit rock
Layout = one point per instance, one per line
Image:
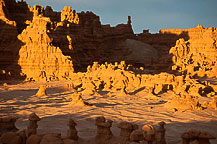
(42, 91)
(77, 100)
(38, 54)
(213, 103)
(196, 56)
(69, 15)
(183, 103)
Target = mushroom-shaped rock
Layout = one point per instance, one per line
(32, 126)
(104, 132)
(34, 117)
(136, 136)
(191, 135)
(149, 133)
(148, 129)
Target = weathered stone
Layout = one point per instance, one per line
(34, 139)
(7, 124)
(52, 139)
(183, 103)
(126, 130)
(72, 132)
(193, 136)
(104, 134)
(149, 133)
(11, 138)
(42, 91)
(32, 126)
(77, 99)
(136, 136)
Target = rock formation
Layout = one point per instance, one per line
(196, 56)
(104, 134)
(56, 44)
(32, 126)
(7, 124)
(126, 130)
(149, 133)
(119, 77)
(199, 42)
(72, 132)
(213, 103)
(9, 44)
(70, 86)
(40, 44)
(136, 136)
(11, 138)
(194, 136)
(160, 134)
(183, 103)
(42, 91)
(129, 134)
(39, 55)
(77, 100)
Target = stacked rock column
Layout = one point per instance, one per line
(32, 126)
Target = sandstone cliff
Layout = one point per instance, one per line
(9, 44)
(198, 55)
(201, 42)
(56, 44)
(42, 44)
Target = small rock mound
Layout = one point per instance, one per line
(77, 100)
(183, 103)
(42, 91)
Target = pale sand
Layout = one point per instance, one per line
(18, 98)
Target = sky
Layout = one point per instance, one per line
(145, 14)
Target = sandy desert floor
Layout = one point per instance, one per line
(18, 98)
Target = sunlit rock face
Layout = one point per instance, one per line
(198, 55)
(39, 59)
(199, 40)
(40, 44)
(55, 44)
